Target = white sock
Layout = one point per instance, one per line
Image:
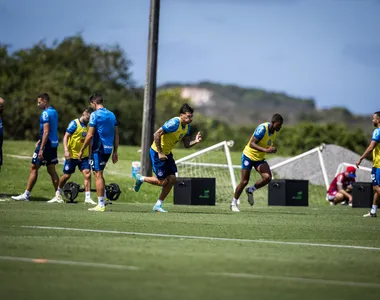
(252, 188)
(142, 178)
(373, 210)
(27, 194)
(59, 190)
(101, 201)
(234, 201)
(105, 194)
(88, 195)
(159, 202)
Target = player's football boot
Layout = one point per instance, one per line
(98, 208)
(234, 208)
(370, 215)
(138, 183)
(158, 208)
(21, 197)
(89, 201)
(250, 197)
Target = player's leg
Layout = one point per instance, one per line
(246, 167)
(266, 176)
(68, 169)
(330, 196)
(51, 158)
(339, 197)
(170, 181)
(87, 186)
(244, 179)
(33, 176)
(159, 167)
(99, 161)
(375, 176)
(167, 171)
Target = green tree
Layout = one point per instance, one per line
(69, 71)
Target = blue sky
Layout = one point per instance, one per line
(325, 49)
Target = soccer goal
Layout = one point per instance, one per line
(212, 162)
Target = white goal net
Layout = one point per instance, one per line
(212, 162)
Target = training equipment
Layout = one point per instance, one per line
(72, 189)
(212, 162)
(362, 194)
(194, 191)
(285, 192)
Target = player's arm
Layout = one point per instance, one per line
(66, 144)
(45, 136)
(157, 139)
(371, 146)
(257, 136)
(88, 139)
(341, 190)
(254, 143)
(90, 134)
(187, 142)
(115, 145)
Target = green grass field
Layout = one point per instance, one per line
(63, 251)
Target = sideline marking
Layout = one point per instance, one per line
(67, 262)
(297, 279)
(194, 237)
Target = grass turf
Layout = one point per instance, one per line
(246, 265)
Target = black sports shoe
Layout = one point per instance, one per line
(250, 197)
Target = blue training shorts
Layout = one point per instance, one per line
(162, 168)
(99, 161)
(70, 165)
(49, 154)
(375, 176)
(248, 164)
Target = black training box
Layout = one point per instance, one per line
(194, 191)
(362, 194)
(288, 192)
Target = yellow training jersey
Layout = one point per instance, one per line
(76, 140)
(174, 132)
(266, 139)
(376, 150)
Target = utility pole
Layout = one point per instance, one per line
(150, 88)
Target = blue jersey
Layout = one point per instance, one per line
(104, 122)
(172, 126)
(1, 126)
(50, 116)
(260, 132)
(73, 126)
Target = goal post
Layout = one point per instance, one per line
(317, 150)
(211, 162)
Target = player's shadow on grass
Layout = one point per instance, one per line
(8, 197)
(39, 199)
(203, 212)
(5, 197)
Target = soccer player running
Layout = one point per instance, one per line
(253, 156)
(374, 147)
(1, 130)
(165, 138)
(46, 147)
(104, 135)
(72, 143)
